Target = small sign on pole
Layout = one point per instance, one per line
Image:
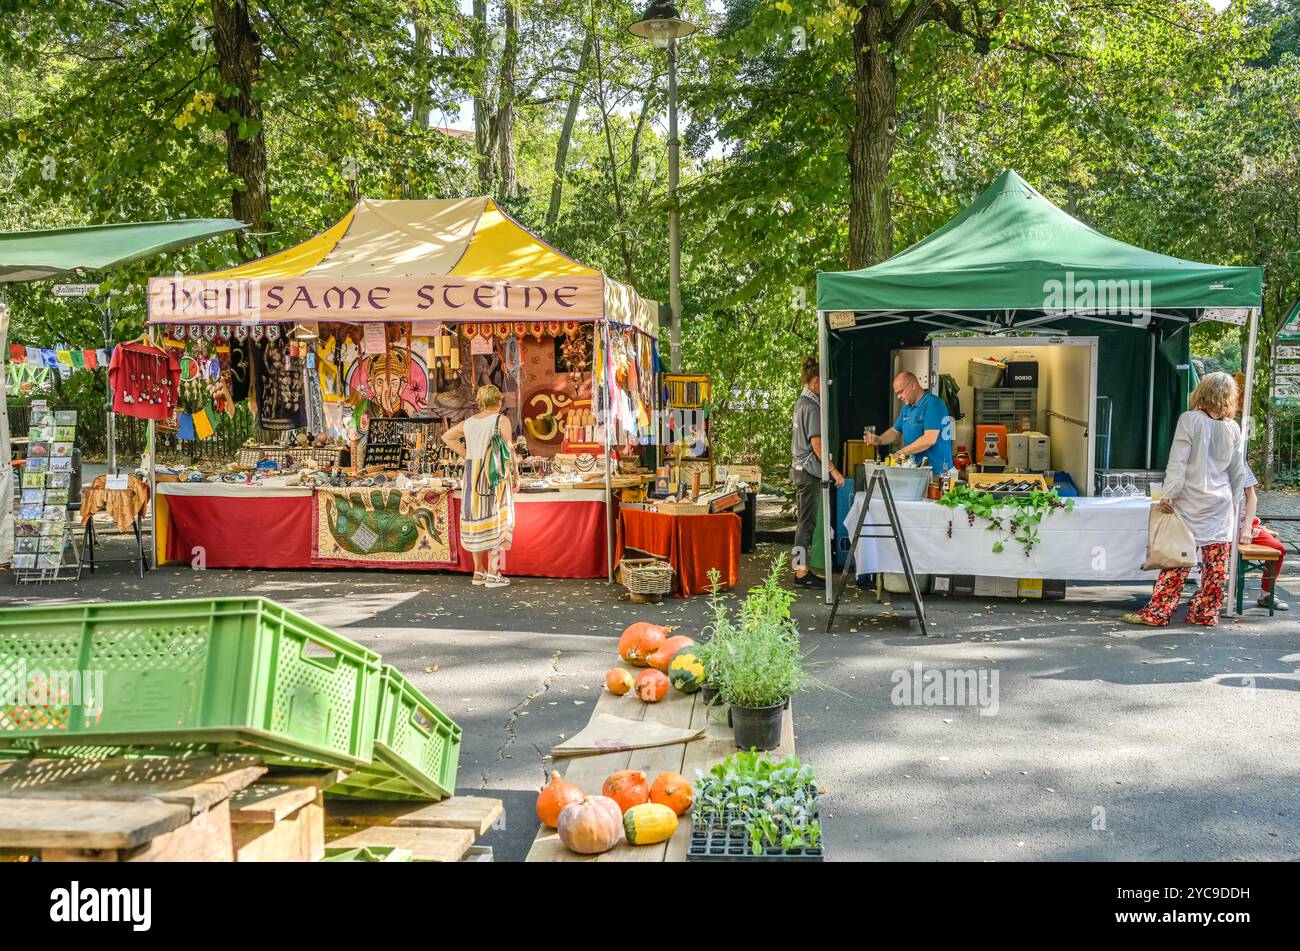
(75, 290)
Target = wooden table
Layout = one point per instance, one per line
(588, 773)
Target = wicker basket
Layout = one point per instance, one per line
(646, 579)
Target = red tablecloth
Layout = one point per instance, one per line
(692, 544)
(264, 532)
(553, 539)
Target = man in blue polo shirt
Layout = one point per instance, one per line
(924, 425)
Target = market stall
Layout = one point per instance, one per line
(28, 256)
(357, 349)
(1100, 329)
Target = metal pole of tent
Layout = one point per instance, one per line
(828, 531)
(1151, 394)
(602, 337)
(152, 445)
(1248, 361)
(111, 423)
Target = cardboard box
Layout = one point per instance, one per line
(1021, 375)
(1029, 451)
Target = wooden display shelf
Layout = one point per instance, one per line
(589, 772)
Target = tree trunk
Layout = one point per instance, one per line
(484, 118)
(239, 60)
(506, 104)
(420, 101)
(566, 136)
(871, 147)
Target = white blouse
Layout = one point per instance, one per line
(1205, 475)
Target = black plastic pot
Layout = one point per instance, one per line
(709, 692)
(757, 728)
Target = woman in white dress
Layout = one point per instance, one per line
(1203, 484)
(487, 510)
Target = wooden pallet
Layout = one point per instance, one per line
(123, 810)
(216, 809)
(434, 832)
(589, 772)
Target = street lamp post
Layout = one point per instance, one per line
(662, 25)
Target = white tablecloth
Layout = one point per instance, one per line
(1101, 540)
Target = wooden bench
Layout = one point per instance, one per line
(588, 773)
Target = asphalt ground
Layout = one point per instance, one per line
(1093, 740)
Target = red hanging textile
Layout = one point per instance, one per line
(145, 381)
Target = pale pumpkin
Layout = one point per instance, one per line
(662, 657)
(649, 823)
(590, 826)
(618, 681)
(651, 685)
(640, 640)
(554, 796)
(628, 788)
(672, 790)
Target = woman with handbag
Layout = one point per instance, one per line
(1203, 484)
(487, 509)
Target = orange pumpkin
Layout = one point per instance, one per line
(591, 825)
(651, 685)
(662, 657)
(672, 790)
(618, 681)
(554, 796)
(628, 788)
(640, 640)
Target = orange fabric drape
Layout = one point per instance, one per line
(692, 544)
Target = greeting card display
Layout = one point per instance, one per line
(42, 532)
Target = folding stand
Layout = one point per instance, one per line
(92, 539)
(877, 478)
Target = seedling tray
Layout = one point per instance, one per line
(721, 837)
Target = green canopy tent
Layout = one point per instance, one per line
(40, 255)
(1013, 262)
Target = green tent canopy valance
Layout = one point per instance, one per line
(1012, 249)
(37, 255)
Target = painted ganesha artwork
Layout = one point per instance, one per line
(383, 527)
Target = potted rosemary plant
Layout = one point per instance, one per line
(760, 664)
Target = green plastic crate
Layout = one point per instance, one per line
(243, 673)
(371, 853)
(417, 748)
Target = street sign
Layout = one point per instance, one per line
(75, 290)
(1288, 369)
(1288, 353)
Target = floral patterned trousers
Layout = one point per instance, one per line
(1207, 601)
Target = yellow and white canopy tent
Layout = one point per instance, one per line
(457, 261)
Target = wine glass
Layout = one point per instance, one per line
(1109, 491)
